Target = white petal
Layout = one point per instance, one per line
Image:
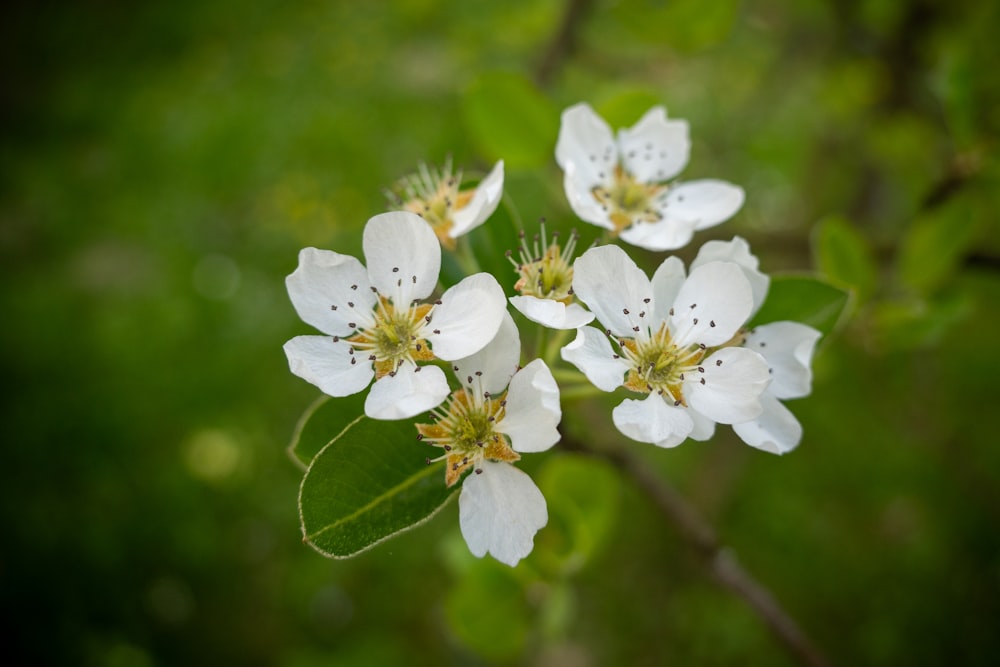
(551, 313)
(666, 284)
(532, 412)
(412, 390)
(704, 428)
(324, 279)
(581, 198)
(496, 363)
(610, 283)
(712, 304)
(403, 255)
(729, 389)
(704, 203)
(591, 352)
(499, 511)
(481, 206)
(586, 141)
(326, 364)
(655, 149)
(652, 420)
(738, 252)
(467, 317)
(669, 233)
(787, 347)
(776, 430)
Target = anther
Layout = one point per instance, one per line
(711, 323)
(694, 305)
(625, 310)
(703, 380)
(414, 280)
(353, 325)
(701, 369)
(336, 339)
(468, 379)
(437, 331)
(642, 313)
(695, 321)
(479, 471)
(447, 448)
(420, 436)
(635, 329)
(671, 312)
(718, 362)
(438, 302)
(353, 361)
(333, 308)
(350, 304)
(354, 287)
(395, 269)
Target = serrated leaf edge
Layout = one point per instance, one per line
(300, 426)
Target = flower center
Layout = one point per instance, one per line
(627, 200)
(465, 428)
(434, 196)
(656, 364)
(396, 336)
(548, 273)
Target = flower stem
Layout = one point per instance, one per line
(553, 346)
(466, 257)
(720, 560)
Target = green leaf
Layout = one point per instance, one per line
(805, 299)
(627, 106)
(488, 611)
(684, 25)
(582, 497)
(509, 118)
(320, 424)
(935, 246)
(845, 257)
(368, 484)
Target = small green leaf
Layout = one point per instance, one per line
(488, 611)
(845, 256)
(509, 118)
(805, 299)
(368, 484)
(582, 498)
(627, 106)
(935, 246)
(320, 423)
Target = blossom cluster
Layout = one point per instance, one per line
(677, 343)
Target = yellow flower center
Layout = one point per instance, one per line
(465, 428)
(396, 336)
(627, 200)
(657, 364)
(434, 196)
(548, 273)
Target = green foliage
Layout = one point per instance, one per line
(368, 484)
(845, 257)
(509, 118)
(803, 299)
(934, 247)
(321, 423)
(488, 610)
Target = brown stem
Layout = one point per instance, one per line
(563, 42)
(720, 561)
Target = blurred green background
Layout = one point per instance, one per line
(163, 162)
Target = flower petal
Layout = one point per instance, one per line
(738, 252)
(499, 511)
(532, 412)
(666, 283)
(655, 149)
(776, 430)
(729, 389)
(669, 233)
(613, 287)
(481, 206)
(711, 305)
(467, 317)
(581, 198)
(704, 428)
(787, 347)
(324, 279)
(652, 420)
(328, 365)
(704, 203)
(591, 352)
(586, 141)
(495, 364)
(551, 313)
(403, 255)
(412, 390)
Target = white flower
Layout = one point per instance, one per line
(483, 429)
(435, 196)
(375, 325)
(546, 283)
(787, 347)
(620, 184)
(671, 336)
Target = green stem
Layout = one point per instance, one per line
(555, 344)
(568, 376)
(577, 391)
(466, 257)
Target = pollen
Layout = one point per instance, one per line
(465, 428)
(434, 195)
(628, 201)
(658, 365)
(545, 268)
(395, 337)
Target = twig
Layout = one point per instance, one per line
(563, 42)
(720, 561)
